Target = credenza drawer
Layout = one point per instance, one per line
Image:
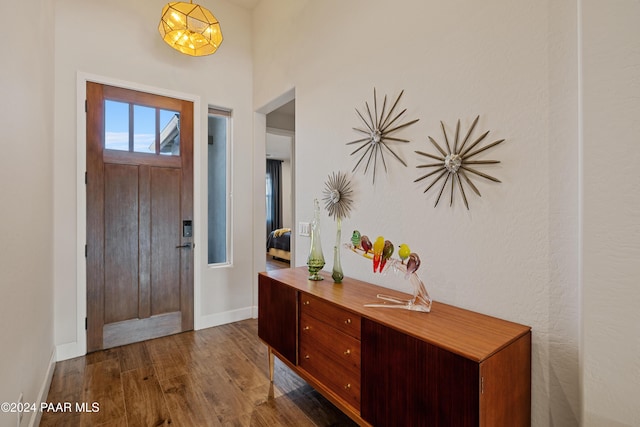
(343, 320)
(342, 381)
(331, 343)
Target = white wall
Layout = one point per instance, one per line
(119, 41)
(26, 212)
(611, 212)
(514, 254)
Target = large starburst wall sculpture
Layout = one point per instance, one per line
(454, 163)
(377, 131)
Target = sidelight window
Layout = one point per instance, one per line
(219, 212)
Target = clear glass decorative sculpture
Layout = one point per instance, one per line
(315, 261)
(397, 269)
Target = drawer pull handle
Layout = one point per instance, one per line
(347, 387)
(306, 328)
(306, 302)
(306, 356)
(348, 352)
(348, 321)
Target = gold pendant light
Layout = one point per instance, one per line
(190, 28)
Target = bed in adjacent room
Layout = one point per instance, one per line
(279, 243)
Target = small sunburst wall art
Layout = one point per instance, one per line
(457, 163)
(338, 195)
(379, 125)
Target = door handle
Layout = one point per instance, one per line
(185, 246)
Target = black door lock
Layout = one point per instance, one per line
(187, 228)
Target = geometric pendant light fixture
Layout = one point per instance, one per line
(190, 28)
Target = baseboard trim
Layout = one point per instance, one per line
(77, 349)
(223, 318)
(44, 390)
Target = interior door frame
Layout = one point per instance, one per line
(259, 168)
(79, 346)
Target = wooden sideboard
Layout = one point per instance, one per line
(391, 367)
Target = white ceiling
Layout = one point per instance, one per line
(289, 109)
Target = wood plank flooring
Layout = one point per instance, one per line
(212, 377)
(276, 264)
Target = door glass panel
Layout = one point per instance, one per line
(149, 125)
(169, 133)
(144, 129)
(116, 125)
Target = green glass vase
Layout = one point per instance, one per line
(337, 273)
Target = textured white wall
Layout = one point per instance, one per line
(26, 207)
(611, 212)
(514, 254)
(119, 40)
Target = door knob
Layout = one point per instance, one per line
(185, 246)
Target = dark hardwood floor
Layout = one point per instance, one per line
(275, 263)
(212, 377)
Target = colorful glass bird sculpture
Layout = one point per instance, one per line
(378, 247)
(365, 243)
(381, 252)
(404, 252)
(412, 264)
(387, 251)
(355, 239)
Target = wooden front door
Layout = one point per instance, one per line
(139, 216)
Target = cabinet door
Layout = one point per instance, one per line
(278, 316)
(406, 381)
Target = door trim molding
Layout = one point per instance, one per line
(79, 346)
(259, 212)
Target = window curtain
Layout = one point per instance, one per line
(274, 195)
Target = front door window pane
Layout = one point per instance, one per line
(144, 129)
(169, 133)
(116, 125)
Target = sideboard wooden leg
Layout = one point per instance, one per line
(271, 361)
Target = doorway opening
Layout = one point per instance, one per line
(279, 186)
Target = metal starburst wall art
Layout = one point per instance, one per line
(337, 195)
(454, 164)
(378, 129)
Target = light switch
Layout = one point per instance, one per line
(304, 229)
